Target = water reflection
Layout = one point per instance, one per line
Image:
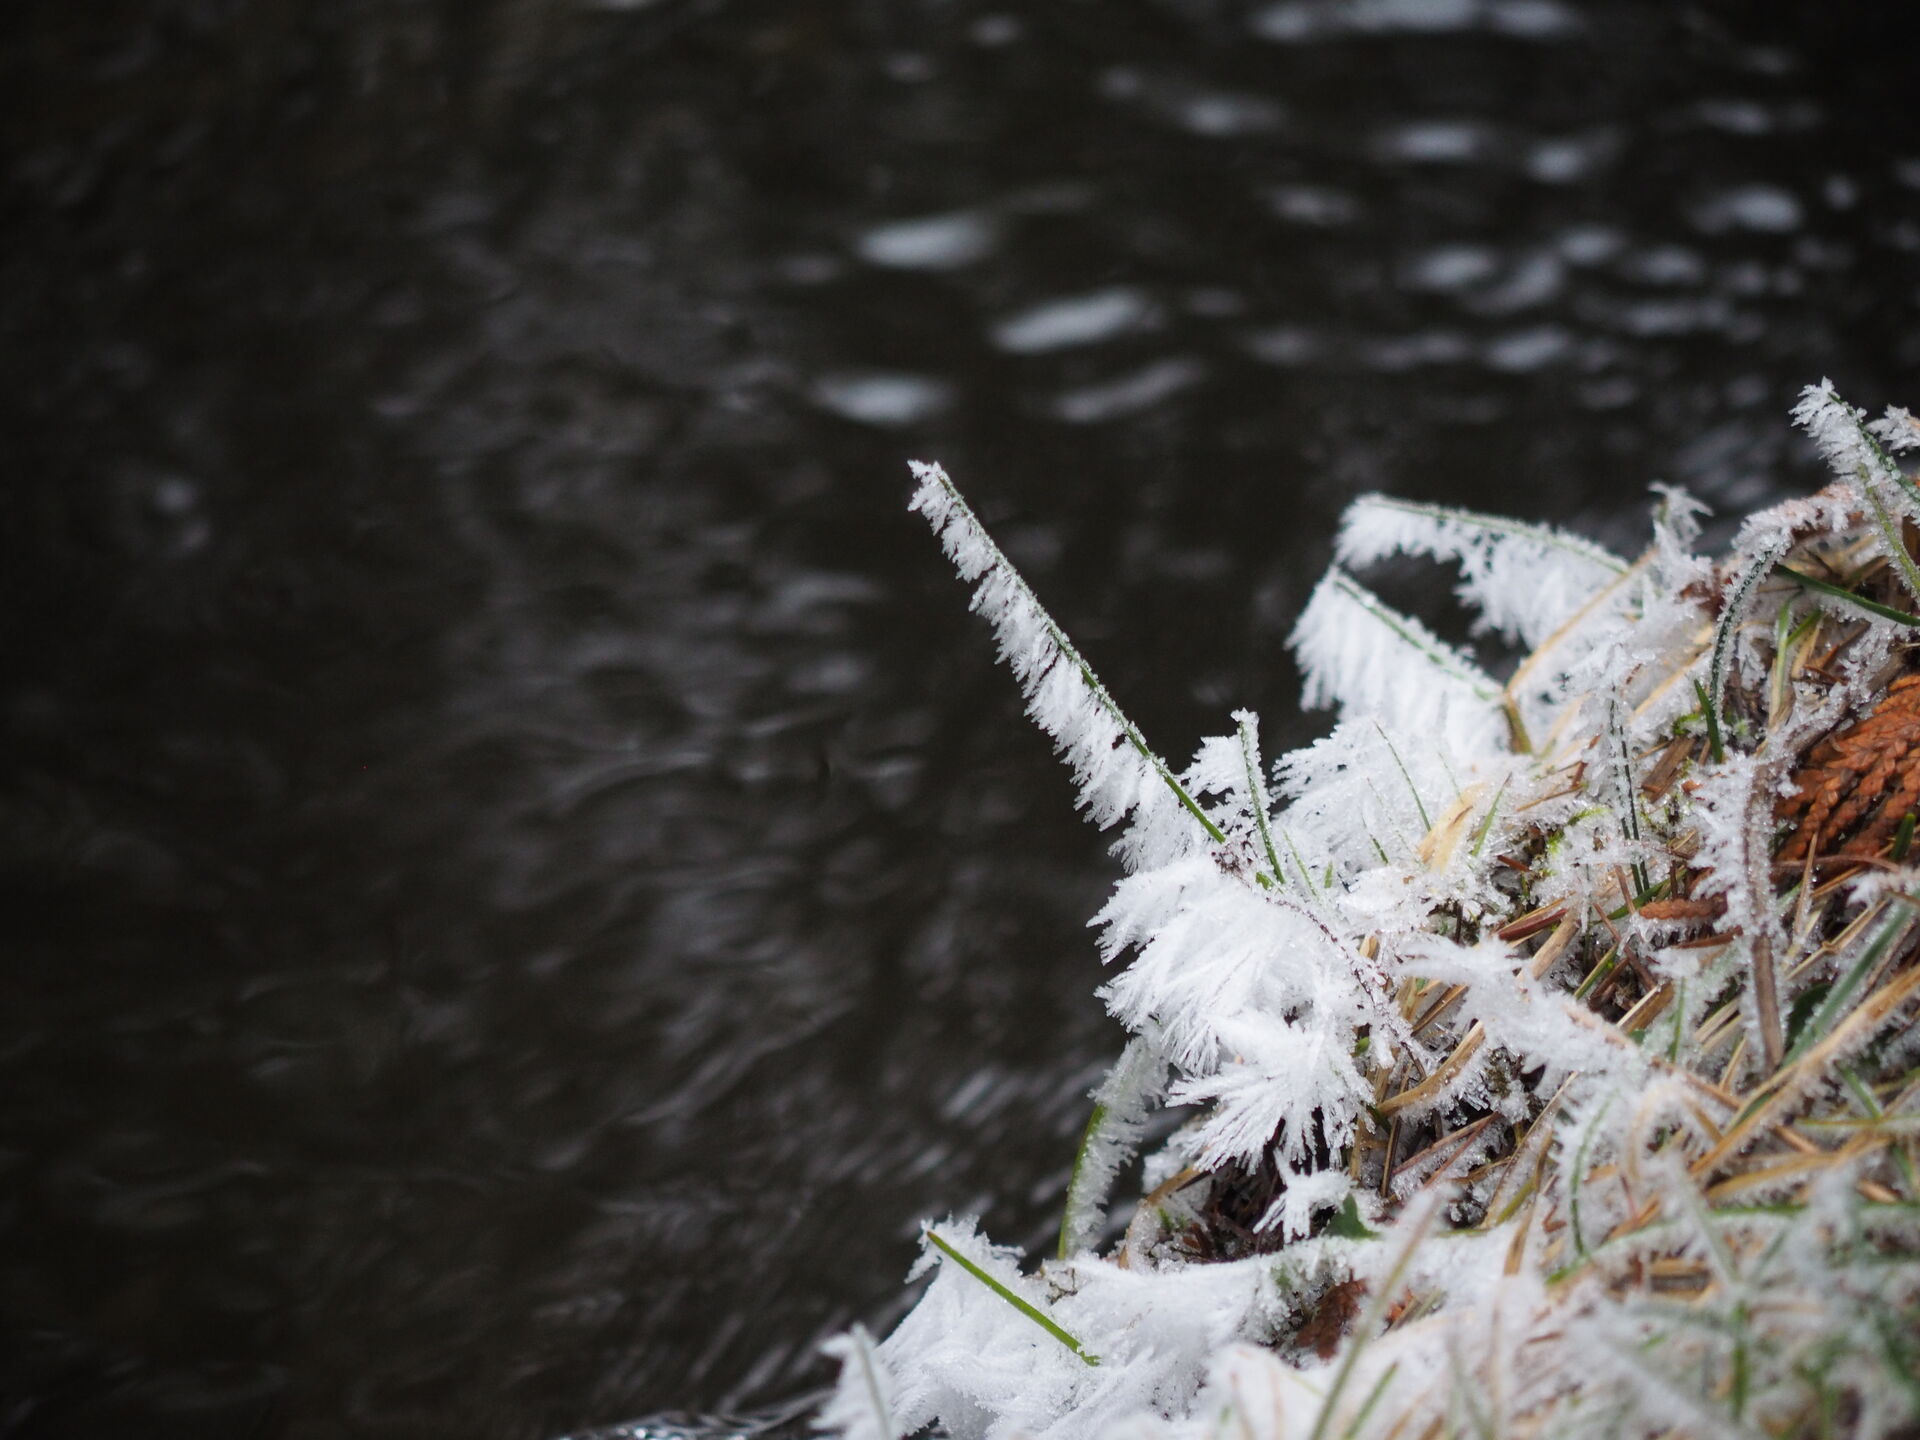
(528, 882)
(1298, 20)
(933, 242)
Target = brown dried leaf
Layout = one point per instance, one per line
(1857, 785)
(1330, 1319)
(1709, 909)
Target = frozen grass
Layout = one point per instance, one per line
(1551, 1041)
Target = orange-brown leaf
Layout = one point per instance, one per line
(1859, 783)
(1329, 1321)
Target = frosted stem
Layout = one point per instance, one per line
(1037, 647)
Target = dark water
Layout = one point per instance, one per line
(523, 882)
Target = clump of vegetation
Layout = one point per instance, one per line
(1550, 1041)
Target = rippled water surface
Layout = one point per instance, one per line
(524, 880)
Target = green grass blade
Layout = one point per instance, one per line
(1786, 639)
(1629, 792)
(1578, 1173)
(1306, 876)
(1377, 1307)
(1874, 1112)
(1486, 825)
(1840, 998)
(1708, 709)
(1401, 766)
(1026, 1309)
(1838, 592)
(1373, 1399)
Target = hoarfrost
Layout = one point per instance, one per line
(1535, 1133)
(861, 1406)
(1362, 656)
(1122, 1104)
(1525, 580)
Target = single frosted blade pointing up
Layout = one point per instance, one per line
(861, 1405)
(1117, 774)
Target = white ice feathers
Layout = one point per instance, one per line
(861, 1406)
(1858, 453)
(1524, 580)
(1117, 775)
(1121, 1106)
(1365, 658)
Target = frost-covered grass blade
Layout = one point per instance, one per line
(1116, 770)
(1364, 657)
(1525, 580)
(861, 1407)
(1120, 1109)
